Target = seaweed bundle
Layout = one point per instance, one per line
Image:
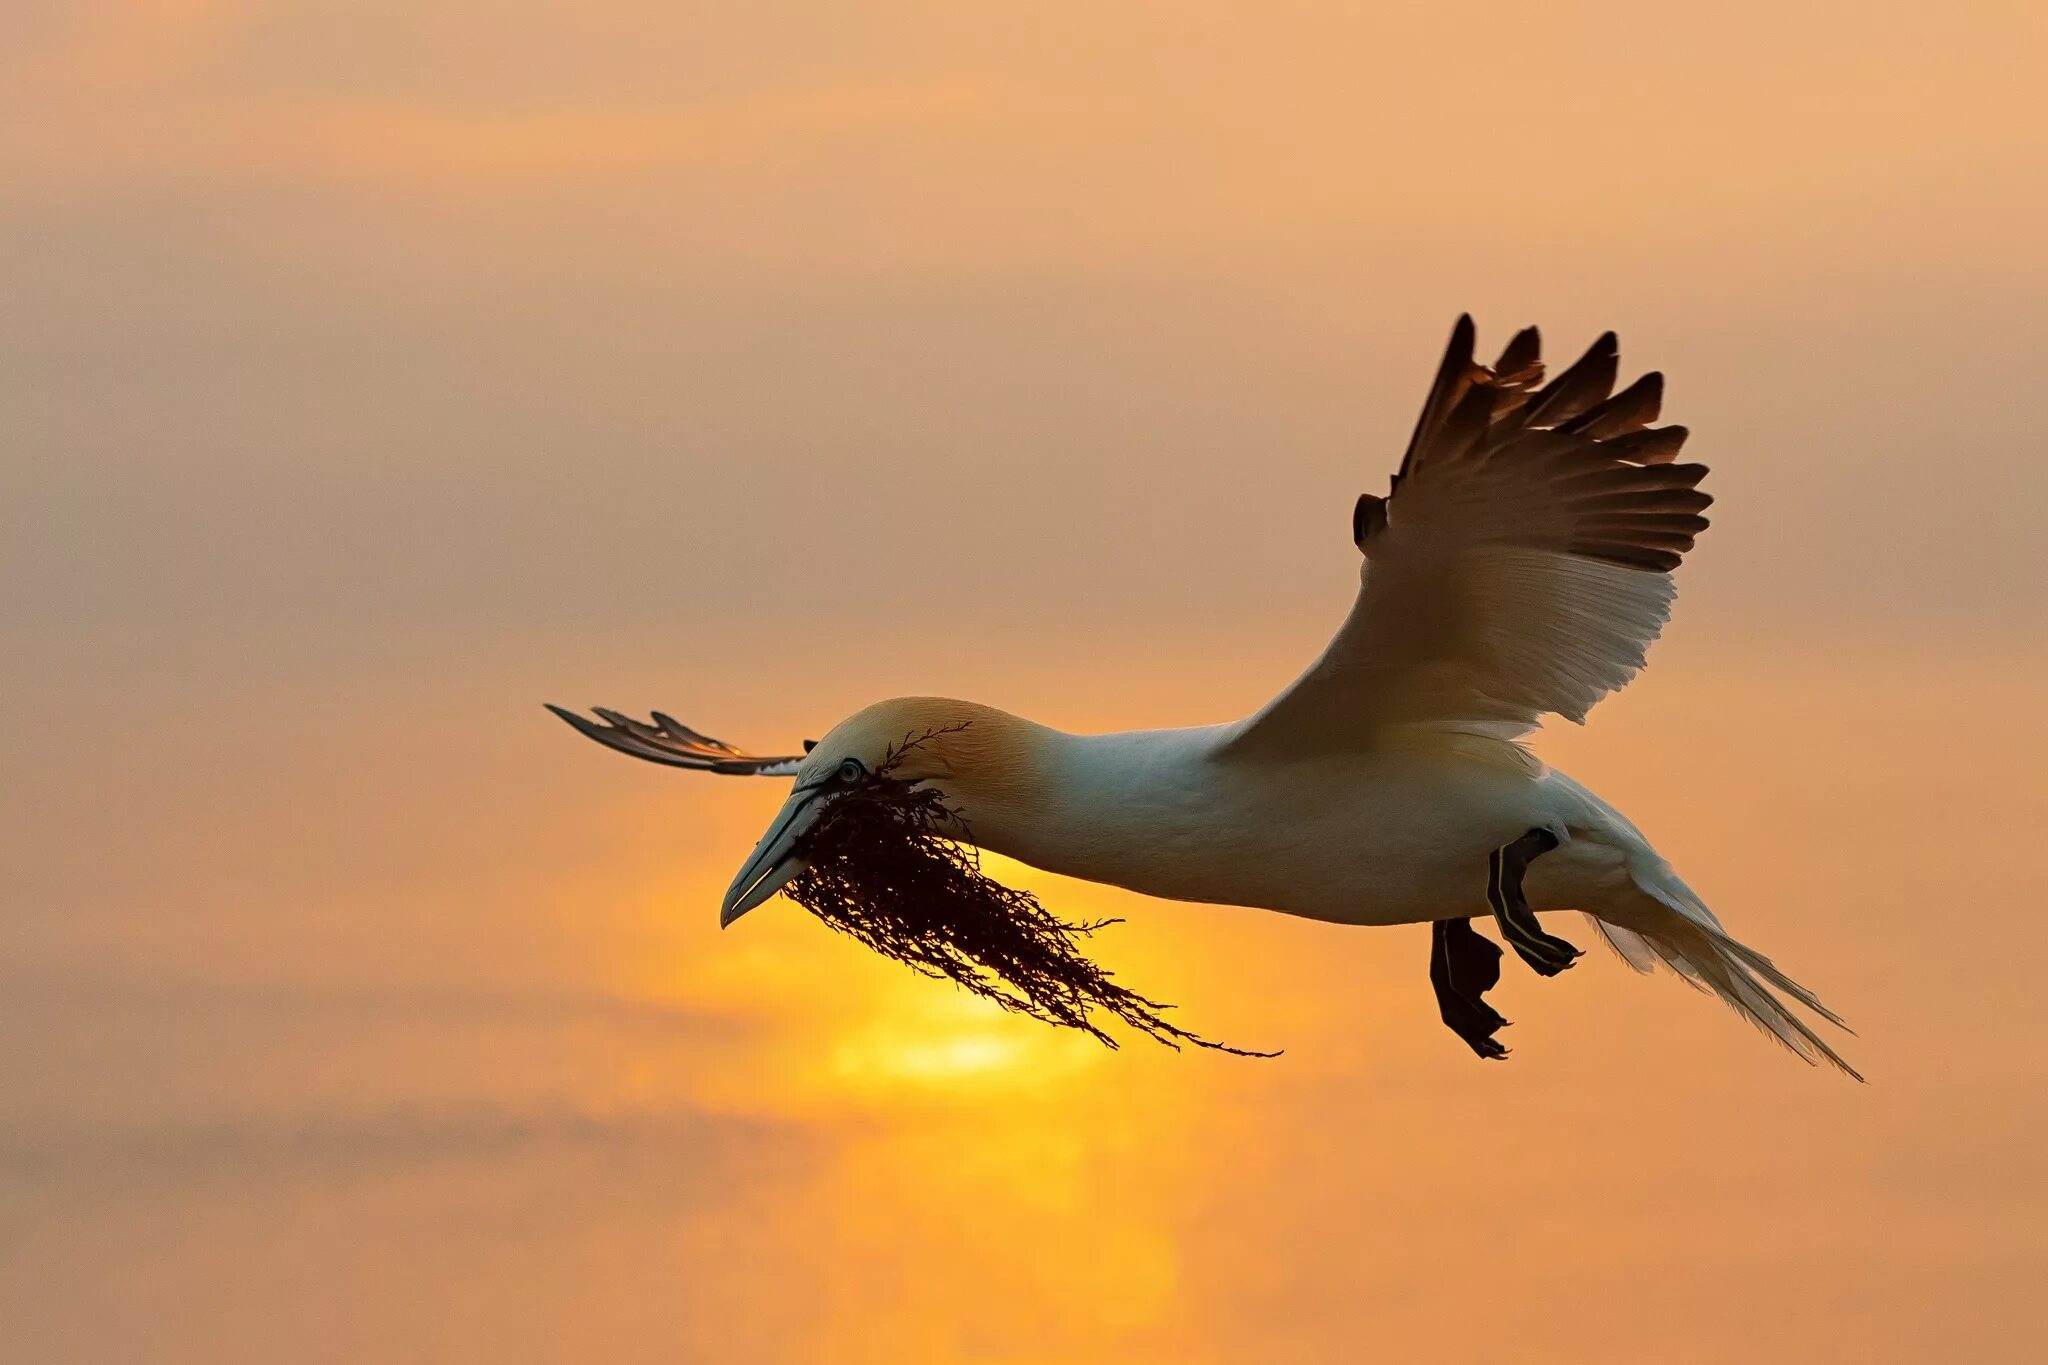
(887, 867)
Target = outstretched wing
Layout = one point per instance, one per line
(668, 741)
(1520, 564)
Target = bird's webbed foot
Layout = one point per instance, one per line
(1464, 966)
(1545, 953)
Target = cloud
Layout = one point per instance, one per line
(119, 1079)
(340, 1145)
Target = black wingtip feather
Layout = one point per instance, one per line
(1634, 408)
(1445, 389)
(1585, 383)
(1523, 356)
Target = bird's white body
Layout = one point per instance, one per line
(1358, 837)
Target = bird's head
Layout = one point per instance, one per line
(973, 754)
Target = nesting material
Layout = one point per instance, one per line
(884, 870)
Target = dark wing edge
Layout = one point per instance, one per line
(1628, 503)
(669, 742)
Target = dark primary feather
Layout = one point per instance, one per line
(1451, 378)
(1595, 478)
(1588, 382)
(677, 745)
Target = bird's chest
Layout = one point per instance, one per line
(1366, 842)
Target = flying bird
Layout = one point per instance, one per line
(1519, 566)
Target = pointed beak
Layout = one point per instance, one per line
(775, 862)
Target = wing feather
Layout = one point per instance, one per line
(1452, 378)
(1520, 564)
(1634, 408)
(1521, 364)
(1585, 384)
(1653, 445)
(670, 742)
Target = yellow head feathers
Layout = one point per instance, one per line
(933, 739)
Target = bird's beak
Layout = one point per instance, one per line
(775, 862)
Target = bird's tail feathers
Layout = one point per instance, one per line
(1675, 928)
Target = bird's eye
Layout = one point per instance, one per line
(852, 771)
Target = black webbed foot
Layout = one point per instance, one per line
(1546, 954)
(1463, 966)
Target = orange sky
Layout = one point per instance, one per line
(375, 372)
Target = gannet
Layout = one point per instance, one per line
(1518, 567)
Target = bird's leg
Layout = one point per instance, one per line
(1547, 954)
(1463, 967)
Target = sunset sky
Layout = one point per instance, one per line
(372, 372)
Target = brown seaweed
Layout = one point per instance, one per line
(888, 867)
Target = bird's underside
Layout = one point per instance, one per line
(1518, 566)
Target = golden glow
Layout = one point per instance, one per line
(933, 1053)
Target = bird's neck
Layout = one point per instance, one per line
(1099, 807)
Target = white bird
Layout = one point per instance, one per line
(1519, 567)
